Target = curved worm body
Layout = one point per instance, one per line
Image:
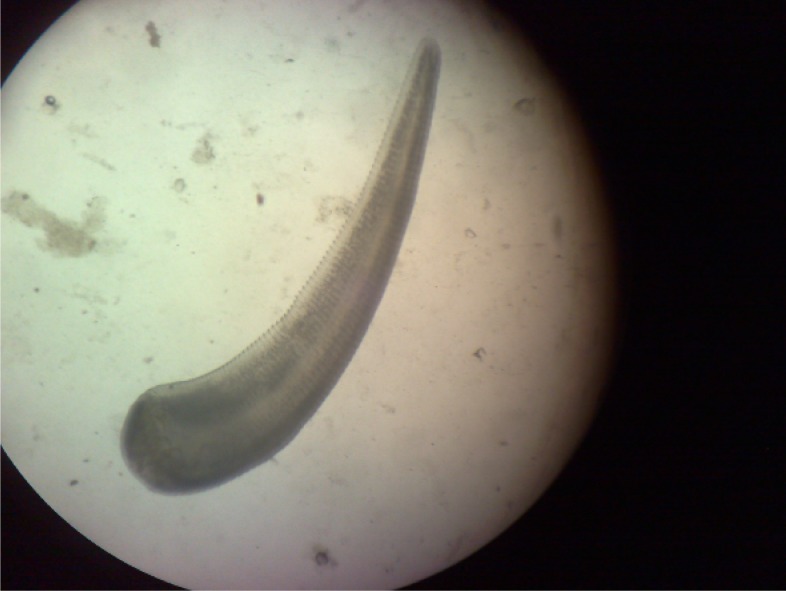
(188, 436)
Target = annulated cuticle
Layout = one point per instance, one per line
(196, 434)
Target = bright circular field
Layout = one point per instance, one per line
(174, 172)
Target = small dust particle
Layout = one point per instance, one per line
(154, 38)
(470, 233)
(525, 106)
(204, 151)
(50, 100)
(73, 483)
(480, 353)
(260, 199)
(148, 359)
(179, 185)
(321, 558)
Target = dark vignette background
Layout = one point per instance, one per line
(681, 482)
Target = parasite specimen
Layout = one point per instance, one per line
(191, 435)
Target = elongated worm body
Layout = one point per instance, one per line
(188, 436)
